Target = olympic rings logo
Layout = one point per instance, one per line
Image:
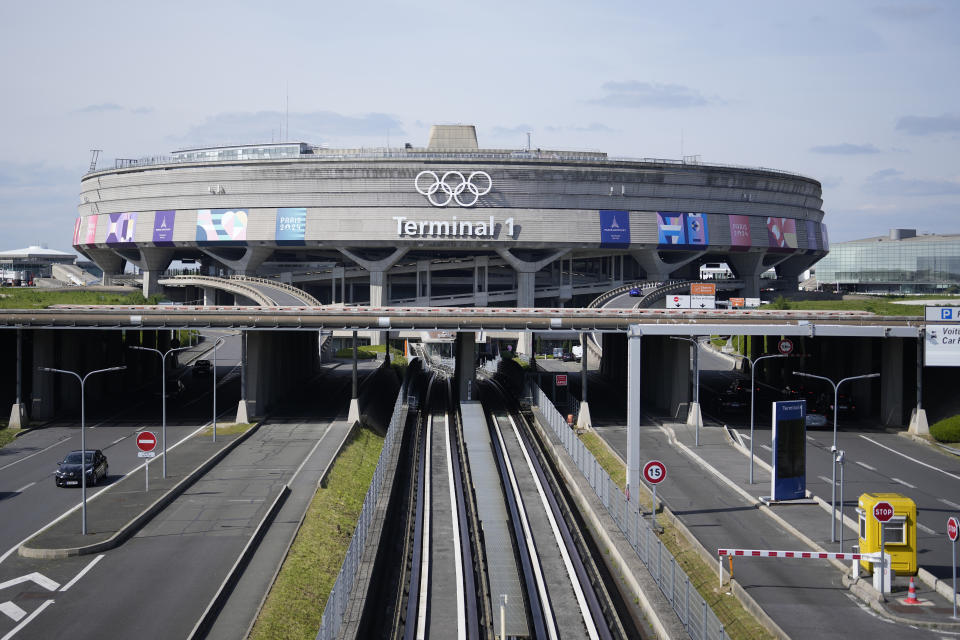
(453, 186)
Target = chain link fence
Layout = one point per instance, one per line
(697, 618)
(340, 594)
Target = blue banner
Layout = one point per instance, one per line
(789, 478)
(614, 228)
(291, 226)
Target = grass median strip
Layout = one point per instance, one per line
(7, 435)
(737, 621)
(225, 429)
(295, 604)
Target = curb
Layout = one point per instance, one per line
(206, 620)
(141, 519)
(286, 552)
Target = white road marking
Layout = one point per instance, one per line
(864, 465)
(25, 487)
(34, 454)
(243, 500)
(83, 572)
(12, 610)
(66, 513)
(903, 482)
(39, 578)
(119, 440)
(948, 503)
(763, 446)
(920, 462)
(827, 480)
(926, 529)
(27, 620)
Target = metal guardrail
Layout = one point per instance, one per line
(292, 290)
(700, 622)
(340, 594)
(594, 157)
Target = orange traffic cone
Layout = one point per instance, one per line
(911, 594)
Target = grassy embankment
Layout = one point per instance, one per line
(225, 429)
(738, 622)
(7, 435)
(296, 601)
(30, 298)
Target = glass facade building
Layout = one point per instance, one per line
(899, 263)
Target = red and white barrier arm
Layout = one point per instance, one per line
(815, 555)
(765, 553)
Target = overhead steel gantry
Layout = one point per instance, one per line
(652, 321)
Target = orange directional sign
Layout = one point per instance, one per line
(703, 289)
(738, 302)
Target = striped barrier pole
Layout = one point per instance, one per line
(766, 553)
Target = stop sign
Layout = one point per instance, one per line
(952, 526)
(146, 441)
(654, 472)
(882, 511)
(785, 346)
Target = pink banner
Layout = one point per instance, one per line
(91, 229)
(782, 233)
(740, 231)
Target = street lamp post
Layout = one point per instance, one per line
(753, 391)
(833, 449)
(696, 384)
(838, 459)
(163, 392)
(83, 441)
(216, 344)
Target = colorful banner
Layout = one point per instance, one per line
(163, 227)
(76, 231)
(689, 229)
(221, 225)
(291, 225)
(697, 232)
(812, 243)
(91, 229)
(740, 238)
(614, 228)
(121, 228)
(782, 233)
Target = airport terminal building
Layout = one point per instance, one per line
(449, 223)
(900, 262)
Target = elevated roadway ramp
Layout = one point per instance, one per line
(262, 292)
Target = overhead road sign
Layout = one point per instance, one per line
(703, 289)
(942, 314)
(751, 302)
(678, 302)
(942, 345)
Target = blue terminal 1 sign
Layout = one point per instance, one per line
(789, 478)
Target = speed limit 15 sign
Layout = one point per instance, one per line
(654, 472)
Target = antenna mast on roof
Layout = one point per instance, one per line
(94, 154)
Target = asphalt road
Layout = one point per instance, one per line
(29, 500)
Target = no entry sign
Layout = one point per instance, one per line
(146, 441)
(654, 472)
(882, 511)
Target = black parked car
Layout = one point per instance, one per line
(68, 471)
(202, 368)
(734, 399)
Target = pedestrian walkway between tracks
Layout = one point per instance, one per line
(801, 527)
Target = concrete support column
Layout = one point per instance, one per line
(243, 415)
(466, 367)
(747, 267)
(354, 414)
(18, 412)
(247, 264)
(209, 296)
(583, 417)
(634, 336)
(918, 417)
(108, 261)
(481, 281)
(891, 382)
(656, 268)
(43, 402)
(526, 282)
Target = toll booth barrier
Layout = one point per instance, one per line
(899, 533)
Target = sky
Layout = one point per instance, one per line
(862, 96)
